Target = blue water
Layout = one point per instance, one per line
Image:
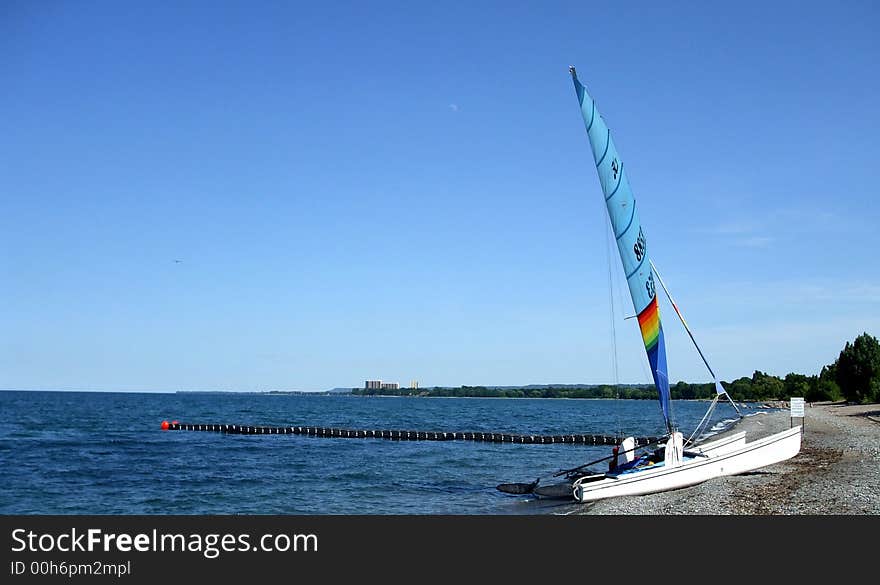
(104, 453)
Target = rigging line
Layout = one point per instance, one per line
(704, 420)
(691, 335)
(706, 424)
(681, 318)
(617, 295)
(615, 368)
(614, 362)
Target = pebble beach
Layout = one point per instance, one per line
(837, 472)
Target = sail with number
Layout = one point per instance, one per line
(631, 242)
(672, 466)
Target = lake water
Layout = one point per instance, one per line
(104, 453)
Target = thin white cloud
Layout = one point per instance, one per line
(777, 346)
(840, 292)
(797, 292)
(754, 241)
(733, 228)
(743, 233)
(752, 232)
(808, 219)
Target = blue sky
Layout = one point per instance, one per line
(405, 190)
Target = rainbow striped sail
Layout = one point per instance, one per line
(631, 242)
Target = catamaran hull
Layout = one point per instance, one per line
(728, 458)
(721, 446)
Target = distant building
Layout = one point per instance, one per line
(414, 385)
(380, 385)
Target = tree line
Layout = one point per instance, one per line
(854, 376)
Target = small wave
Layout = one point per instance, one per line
(718, 427)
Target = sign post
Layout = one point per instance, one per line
(797, 410)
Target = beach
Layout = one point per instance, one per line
(837, 472)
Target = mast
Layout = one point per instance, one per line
(632, 244)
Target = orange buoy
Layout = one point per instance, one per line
(164, 425)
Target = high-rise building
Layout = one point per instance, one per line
(380, 385)
(414, 384)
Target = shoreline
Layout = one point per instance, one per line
(837, 472)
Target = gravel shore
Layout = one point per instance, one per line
(837, 472)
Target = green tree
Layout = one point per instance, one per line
(740, 389)
(797, 385)
(858, 369)
(683, 390)
(824, 386)
(767, 387)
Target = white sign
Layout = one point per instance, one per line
(797, 408)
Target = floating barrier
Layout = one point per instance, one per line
(400, 435)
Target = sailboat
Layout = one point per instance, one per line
(679, 463)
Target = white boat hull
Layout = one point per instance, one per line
(729, 456)
(730, 443)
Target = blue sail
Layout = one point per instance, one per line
(631, 241)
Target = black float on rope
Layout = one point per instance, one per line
(396, 435)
